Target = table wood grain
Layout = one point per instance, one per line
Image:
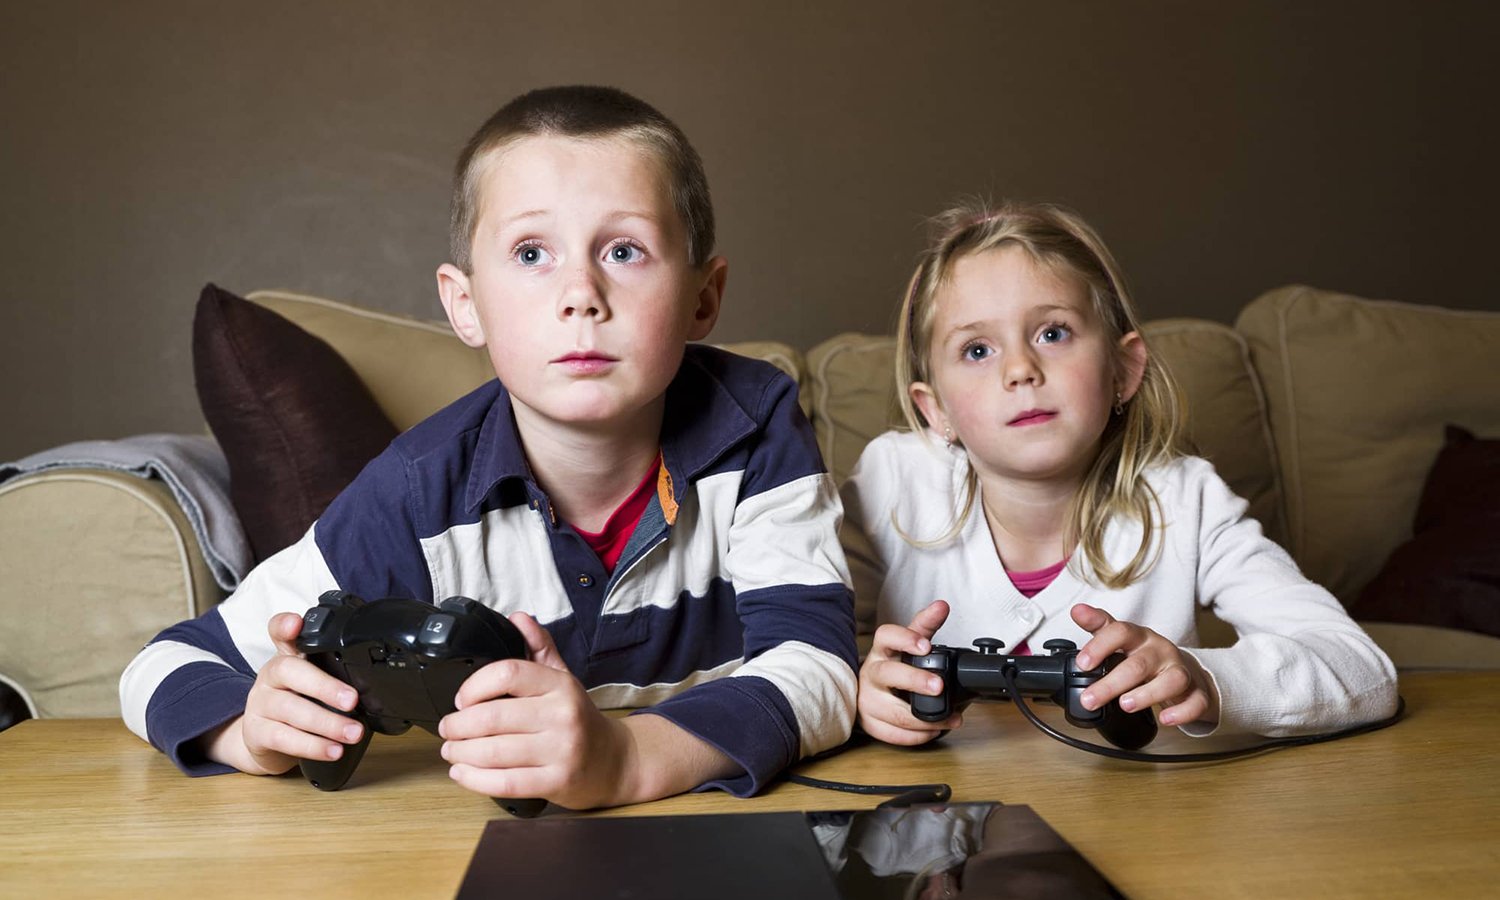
(87, 809)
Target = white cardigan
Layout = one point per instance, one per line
(1301, 665)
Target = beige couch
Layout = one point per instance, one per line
(1324, 411)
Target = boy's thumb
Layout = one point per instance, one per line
(539, 644)
(284, 628)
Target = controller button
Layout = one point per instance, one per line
(989, 646)
(316, 618)
(436, 630)
(1059, 645)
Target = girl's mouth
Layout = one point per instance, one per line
(1033, 417)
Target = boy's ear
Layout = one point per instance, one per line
(710, 298)
(931, 408)
(1132, 365)
(458, 303)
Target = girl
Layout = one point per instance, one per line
(1044, 491)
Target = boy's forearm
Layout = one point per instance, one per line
(664, 760)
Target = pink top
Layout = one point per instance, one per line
(1030, 584)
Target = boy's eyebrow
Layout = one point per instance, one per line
(615, 216)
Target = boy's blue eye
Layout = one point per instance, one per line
(531, 255)
(624, 253)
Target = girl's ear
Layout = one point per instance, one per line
(931, 408)
(458, 302)
(1132, 363)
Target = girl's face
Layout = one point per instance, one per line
(1023, 371)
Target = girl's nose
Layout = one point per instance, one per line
(1021, 369)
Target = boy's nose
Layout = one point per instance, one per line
(582, 296)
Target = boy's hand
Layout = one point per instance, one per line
(884, 715)
(527, 729)
(1155, 671)
(281, 724)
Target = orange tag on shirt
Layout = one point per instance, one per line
(665, 495)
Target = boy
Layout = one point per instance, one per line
(654, 517)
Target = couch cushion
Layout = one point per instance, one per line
(1359, 392)
(294, 421)
(1226, 410)
(95, 563)
(412, 367)
(852, 383)
(1448, 574)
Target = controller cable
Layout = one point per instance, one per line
(905, 794)
(908, 794)
(1209, 756)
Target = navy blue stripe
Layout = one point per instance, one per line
(744, 717)
(190, 702)
(208, 632)
(368, 538)
(786, 448)
(822, 616)
(655, 645)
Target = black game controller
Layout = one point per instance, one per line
(982, 673)
(406, 659)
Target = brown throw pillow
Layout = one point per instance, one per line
(1449, 572)
(295, 423)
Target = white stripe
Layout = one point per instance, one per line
(146, 673)
(627, 696)
(504, 561)
(786, 536)
(819, 686)
(691, 557)
(290, 581)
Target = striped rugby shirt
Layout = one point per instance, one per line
(729, 612)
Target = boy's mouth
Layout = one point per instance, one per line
(1033, 417)
(585, 362)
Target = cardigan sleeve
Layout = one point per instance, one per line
(1300, 664)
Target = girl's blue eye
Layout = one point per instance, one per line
(976, 352)
(531, 255)
(1054, 333)
(624, 253)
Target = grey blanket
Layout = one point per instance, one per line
(193, 468)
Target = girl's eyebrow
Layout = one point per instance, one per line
(980, 324)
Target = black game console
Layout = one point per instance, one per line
(986, 672)
(406, 659)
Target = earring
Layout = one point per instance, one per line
(1119, 404)
(947, 437)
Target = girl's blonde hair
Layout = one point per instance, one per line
(1150, 429)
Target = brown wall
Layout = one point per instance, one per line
(1222, 149)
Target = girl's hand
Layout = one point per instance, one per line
(884, 715)
(1155, 671)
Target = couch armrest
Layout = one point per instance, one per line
(96, 563)
(1429, 647)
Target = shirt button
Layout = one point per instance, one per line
(586, 580)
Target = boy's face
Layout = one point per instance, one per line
(581, 287)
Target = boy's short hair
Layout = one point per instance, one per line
(584, 112)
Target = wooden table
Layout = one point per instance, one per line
(87, 809)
